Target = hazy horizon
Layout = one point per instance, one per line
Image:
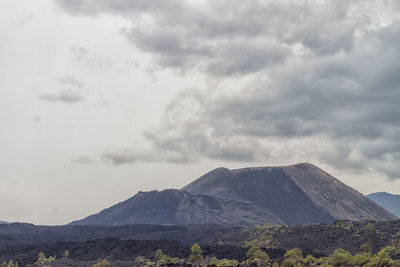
(102, 99)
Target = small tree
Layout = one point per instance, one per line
(12, 264)
(293, 257)
(158, 255)
(289, 263)
(382, 258)
(213, 261)
(362, 259)
(66, 255)
(143, 261)
(310, 259)
(256, 256)
(294, 254)
(341, 257)
(196, 256)
(41, 259)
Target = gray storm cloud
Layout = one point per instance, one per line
(64, 96)
(322, 80)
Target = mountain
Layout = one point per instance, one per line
(295, 194)
(388, 201)
(173, 206)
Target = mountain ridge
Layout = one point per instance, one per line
(390, 202)
(294, 194)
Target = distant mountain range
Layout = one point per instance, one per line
(295, 194)
(388, 201)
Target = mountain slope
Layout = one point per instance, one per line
(288, 192)
(388, 201)
(179, 207)
(270, 188)
(294, 194)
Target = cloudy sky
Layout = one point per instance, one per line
(101, 98)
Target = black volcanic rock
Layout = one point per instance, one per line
(388, 201)
(294, 194)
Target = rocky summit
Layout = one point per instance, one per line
(296, 194)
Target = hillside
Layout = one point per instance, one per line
(388, 201)
(295, 194)
(232, 243)
(179, 207)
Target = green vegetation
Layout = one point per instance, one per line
(256, 256)
(102, 263)
(159, 259)
(293, 258)
(9, 264)
(341, 257)
(265, 235)
(42, 260)
(196, 256)
(65, 255)
(221, 262)
(226, 262)
(367, 251)
(143, 261)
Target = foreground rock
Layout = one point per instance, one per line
(319, 240)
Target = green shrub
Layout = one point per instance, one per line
(213, 261)
(65, 255)
(226, 262)
(9, 264)
(382, 258)
(310, 259)
(294, 255)
(256, 256)
(362, 258)
(42, 259)
(196, 256)
(158, 255)
(143, 261)
(290, 263)
(102, 263)
(341, 257)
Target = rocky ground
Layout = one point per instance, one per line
(315, 239)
